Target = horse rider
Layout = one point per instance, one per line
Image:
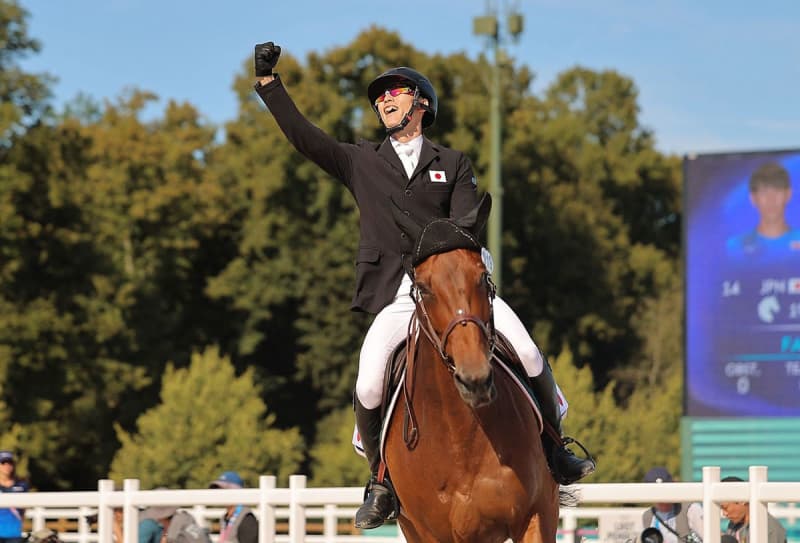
(428, 181)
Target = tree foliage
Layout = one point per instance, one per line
(333, 460)
(22, 95)
(208, 420)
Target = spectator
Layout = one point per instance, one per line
(738, 515)
(44, 535)
(116, 526)
(153, 523)
(677, 522)
(239, 525)
(10, 518)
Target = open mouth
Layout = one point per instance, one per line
(388, 110)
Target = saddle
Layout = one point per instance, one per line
(503, 357)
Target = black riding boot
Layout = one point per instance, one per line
(564, 465)
(380, 503)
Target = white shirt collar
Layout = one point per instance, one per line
(414, 145)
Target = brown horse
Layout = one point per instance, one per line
(463, 446)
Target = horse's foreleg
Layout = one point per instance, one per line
(543, 528)
(410, 533)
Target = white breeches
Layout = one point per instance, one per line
(390, 327)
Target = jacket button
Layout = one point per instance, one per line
(406, 213)
(408, 192)
(402, 235)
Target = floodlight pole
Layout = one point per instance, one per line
(495, 233)
(488, 25)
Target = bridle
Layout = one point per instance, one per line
(420, 320)
(461, 318)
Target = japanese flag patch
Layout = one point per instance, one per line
(437, 176)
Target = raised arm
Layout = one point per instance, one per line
(311, 141)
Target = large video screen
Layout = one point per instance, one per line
(742, 235)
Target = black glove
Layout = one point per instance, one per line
(266, 57)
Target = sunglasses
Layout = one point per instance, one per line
(397, 91)
(6, 461)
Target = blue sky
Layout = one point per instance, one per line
(715, 75)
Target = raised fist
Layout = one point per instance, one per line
(266, 57)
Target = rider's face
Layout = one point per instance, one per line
(393, 108)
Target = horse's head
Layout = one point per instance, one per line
(453, 293)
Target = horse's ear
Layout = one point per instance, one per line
(475, 220)
(404, 221)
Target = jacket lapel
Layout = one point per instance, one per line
(428, 154)
(389, 155)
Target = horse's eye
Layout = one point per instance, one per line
(424, 290)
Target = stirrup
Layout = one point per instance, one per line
(557, 469)
(378, 513)
(570, 440)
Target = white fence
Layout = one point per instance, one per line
(295, 507)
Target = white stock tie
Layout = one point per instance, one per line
(406, 154)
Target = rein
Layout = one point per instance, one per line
(487, 328)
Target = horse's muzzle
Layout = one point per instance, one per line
(476, 392)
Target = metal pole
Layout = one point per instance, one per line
(489, 25)
(495, 178)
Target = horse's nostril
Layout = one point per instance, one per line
(476, 392)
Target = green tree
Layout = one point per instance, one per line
(591, 416)
(59, 335)
(209, 420)
(623, 447)
(109, 231)
(636, 448)
(592, 216)
(659, 324)
(333, 459)
(23, 96)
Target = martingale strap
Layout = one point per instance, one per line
(410, 428)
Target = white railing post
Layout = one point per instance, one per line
(330, 524)
(104, 512)
(569, 526)
(711, 518)
(297, 511)
(83, 524)
(38, 519)
(130, 511)
(758, 509)
(266, 511)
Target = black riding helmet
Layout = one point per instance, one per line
(412, 78)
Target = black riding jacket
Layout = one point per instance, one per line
(443, 185)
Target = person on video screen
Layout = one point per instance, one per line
(773, 236)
